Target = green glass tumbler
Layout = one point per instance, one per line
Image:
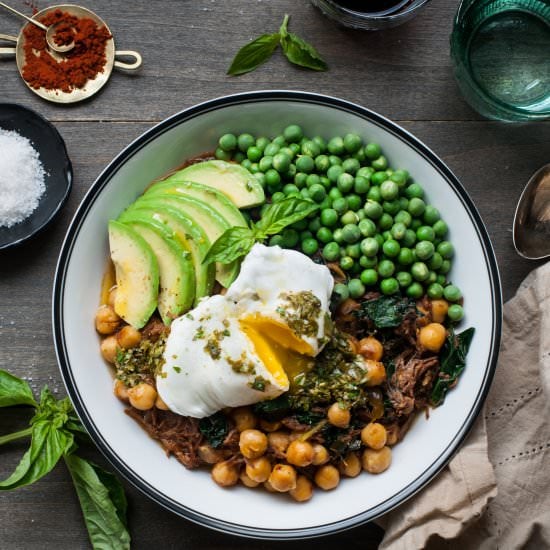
(501, 55)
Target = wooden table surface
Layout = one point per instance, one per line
(404, 74)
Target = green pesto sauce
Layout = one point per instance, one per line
(259, 383)
(301, 311)
(241, 365)
(145, 361)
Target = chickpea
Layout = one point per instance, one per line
(303, 490)
(120, 390)
(106, 320)
(353, 344)
(109, 348)
(128, 337)
(282, 478)
(432, 336)
(439, 310)
(268, 487)
(338, 416)
(327, 477)
(160, 404)
(253, 443)
(350, 465)
(112, 297)
(374, 435)
(376, 372)
(371, 348)
(142, 396)
(210, 455)
(376, 461)
(268, 426)
(278, 441)
(300, 453)
(392, 434)
(258, 469)
(225, 474)
(244, 418)
(245, 480)
(320, 455)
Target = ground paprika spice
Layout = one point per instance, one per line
(84, 62)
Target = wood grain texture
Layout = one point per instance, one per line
(187, 45)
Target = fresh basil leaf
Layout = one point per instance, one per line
(105, 528)
(48, 445)
(14, 391)
(116, 491)
(214, 428)
(298, 51)
(281, 214)
(253, 54)
(234, 243)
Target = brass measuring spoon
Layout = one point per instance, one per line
(92, 86)
(50, 31)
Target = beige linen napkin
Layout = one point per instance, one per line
(510, 444)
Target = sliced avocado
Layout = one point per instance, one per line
(176, 270)
(213, 224)
(205, 193)
(232, 179)
(137, 274)
(186, 229)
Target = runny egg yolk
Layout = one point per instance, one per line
(280, 350)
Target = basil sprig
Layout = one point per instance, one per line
(257, 52)
(236, 242)
(53, 430)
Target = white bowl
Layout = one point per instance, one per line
(429, 444)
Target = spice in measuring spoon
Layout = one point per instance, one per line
(73, 70)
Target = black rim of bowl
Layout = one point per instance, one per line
(220, 525)
(68, 180)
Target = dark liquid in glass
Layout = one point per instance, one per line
(373, 6)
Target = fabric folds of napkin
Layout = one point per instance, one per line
(495, 492)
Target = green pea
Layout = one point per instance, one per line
(400, 177)
(398, 230)
(254, 153)
(244, 141)
(424, 250)
(386, 234)
(351, 166)
(455, 312)
(239, 157)
(276, 240)
(335, 146)
(403, 217)
(228, 142)
(271, 149)
(409, 239)
(415, 291)
(351, 233)
(446, 249)
(391, 248)
(254, 168)
(310, 246)
(369, 263)
(341, 292)
(331, 251)
(452, 293)
(365, 172)
(369, 277)
(321, 143)
(334, 172)
(378, 178)
(416, 207)
(373, 209)
(355, 202)
(311, 149)
(386, 268)
(435, 261)
(295, 148)
(367, 228)
(441, 279)
(324, 234)
(435, 291)
(262, 142)
(360, 156)
(361, 185)
(281, 162)
(432, 278)
(290, 237)
(300, 179)
(260, 178)
(317, 192)
(325, 182)
(352, 143)
(373, 194)
(440, 228)
(304, 191)
(346, 263)
(322, 163)
(420, 271)
(356, 288)
(335, 193)
(335, 160)
(290, 188)
(338, 235)
(372, 151)
(279, 140)
(405, 256)
(389, 190)
(315, 224)
(380, 163)
(385, 222)
(220, 154)
(404, 278)
(293, 133)
(345, 182)
(431, 215)
(415, 224)
(340, 205)
(445, 267)
(391, 207)
(265, 163)
(369, 246)
(361, 214)
(389, 286)
(349, 217)
(414, 190)
(380, 239)
(353, 250)
(304, 234)
(291, 172)
(404, 203)
(329, 217)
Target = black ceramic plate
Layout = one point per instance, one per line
(59, 176)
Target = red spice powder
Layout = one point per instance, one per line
(84, 62)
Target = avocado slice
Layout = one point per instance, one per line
(232, 179)
(213, 224)
(176, 271)
(187, 230)
(205, 193)
(137, 274)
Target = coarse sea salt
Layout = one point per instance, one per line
(21, 178)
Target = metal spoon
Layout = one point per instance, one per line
(50, 31)
(531, 233)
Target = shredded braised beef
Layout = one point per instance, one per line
(153, 329)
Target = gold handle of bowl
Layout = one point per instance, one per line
(8, 51)
(128, 66)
